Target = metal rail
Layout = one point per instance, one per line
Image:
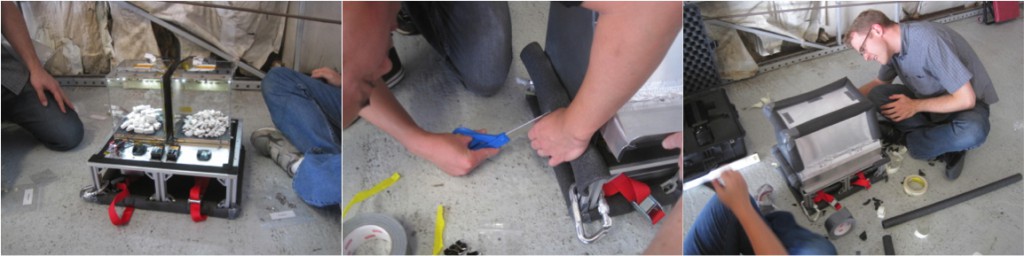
(101, 81)
(258, 11)
(793, 10)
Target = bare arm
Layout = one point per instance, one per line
(630, 40)
(16, 32)
(962, 99)
(762, 238)
(866, 88)
(449, 152)
(669, 239)
(734, 196)
(903, 107)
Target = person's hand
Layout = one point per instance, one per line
(451, 152)
(328, 74)
(43, 82)
(733, 193)
(551, 136)
(675, 140)
(901, 108)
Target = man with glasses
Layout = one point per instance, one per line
(943, 107)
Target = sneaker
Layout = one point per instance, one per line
(766, 199)
(405, 24)
(954, 164)
(396, 73)
(271, 143)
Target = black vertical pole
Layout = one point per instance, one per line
(168, 104)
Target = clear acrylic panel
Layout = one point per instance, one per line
(201, 93)
(135, 92)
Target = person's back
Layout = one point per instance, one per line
(940, 42)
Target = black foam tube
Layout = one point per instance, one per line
(551, 95)
(921, 212)
(887, 245)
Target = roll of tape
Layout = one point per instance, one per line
(908, 185)
(366, 227)
(840, 223)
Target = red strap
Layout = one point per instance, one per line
(658, 214)
(194, 196)
(822, 196)
(633, 190)
(861, 181)
(127, 216)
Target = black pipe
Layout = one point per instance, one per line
(887, 244)
(168, 104)
(552, 94)
(921, 212)
(588, 167)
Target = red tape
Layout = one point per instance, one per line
(194, 197)
(128, 210)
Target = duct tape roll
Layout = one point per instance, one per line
(367, 227)
(915, 185)
(840, 223)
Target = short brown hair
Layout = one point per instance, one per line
(863, 23)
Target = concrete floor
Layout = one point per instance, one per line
(60, 222)
(509, 205)
(990, 224)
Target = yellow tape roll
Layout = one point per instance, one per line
(920, 189)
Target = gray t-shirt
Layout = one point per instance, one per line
(936, 60)
(15, 73)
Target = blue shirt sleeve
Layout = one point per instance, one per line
(945, 65)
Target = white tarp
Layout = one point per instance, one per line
(250, 36)
(78, 36)
(133, 35)
(76, 32)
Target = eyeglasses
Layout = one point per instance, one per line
(861, 49)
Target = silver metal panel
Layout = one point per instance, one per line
(162, 170)
(101, 81)
(94, 81)
(819, 150)
(806, 111)
(854, 160)
(238, 143)
(636, 120)
(247, 84)
(188, 155)
(671, 160)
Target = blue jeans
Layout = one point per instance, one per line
(56, 130)
(308, 113)
(930, 135)
(474, 37)
(718, 231)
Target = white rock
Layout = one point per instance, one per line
(206, 123)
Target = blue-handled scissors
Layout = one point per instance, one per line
(483, 140)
